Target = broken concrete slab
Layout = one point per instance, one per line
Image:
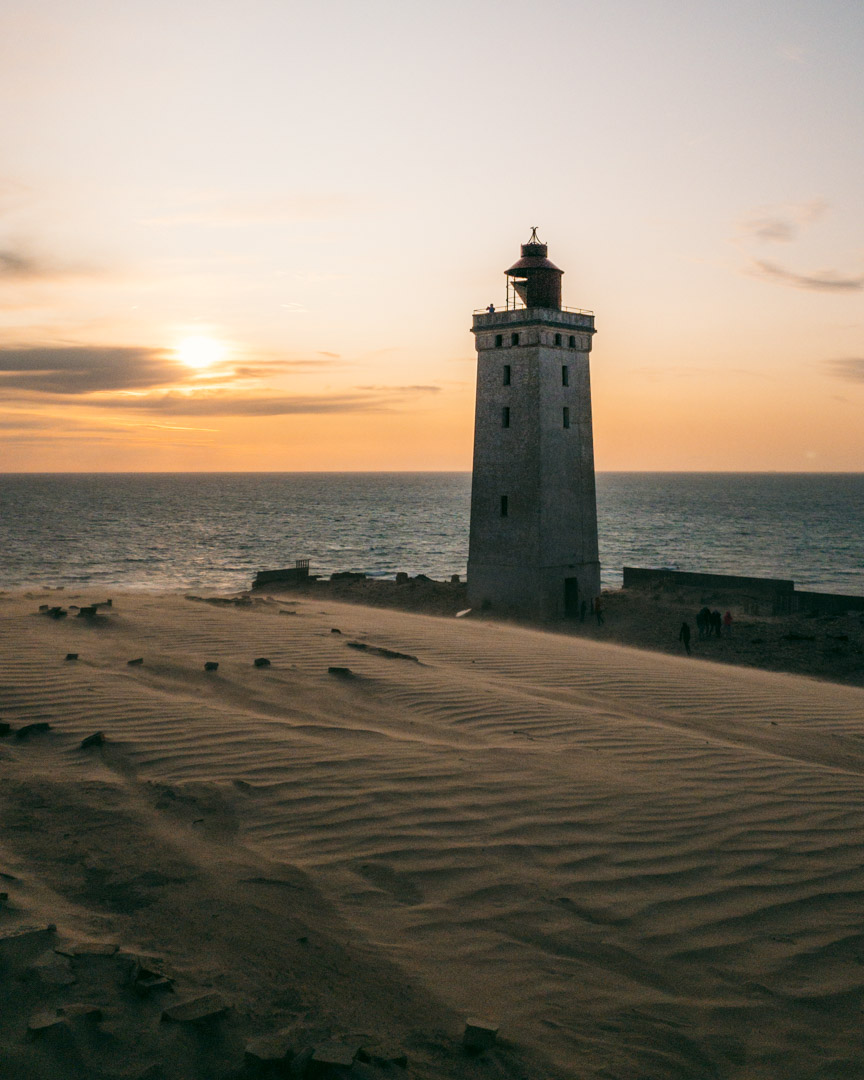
(50, 969)
(42, 1023)
(265, 1051)
(25, 943)
(32, 729)
(333, 1053)
(76, 949)
(205, 1007)
(82, 1010)
(479, 1034)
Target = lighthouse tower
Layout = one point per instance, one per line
(533, 544)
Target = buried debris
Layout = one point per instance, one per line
(137, 660)
(268, 1051)
(96, 739)
(71, 655)
(43, 1022)
(32, 729)
(5, 727)
(261, 661)
(145, 981)
(341, 672)
(211, 665)
(206, 1007)
(53, 612)
(479, 1034)
(379, 650)
(333, 1054)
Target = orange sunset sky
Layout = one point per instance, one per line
(251, 236)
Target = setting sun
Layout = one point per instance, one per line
(199, 352)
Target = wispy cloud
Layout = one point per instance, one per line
(819, 280)
(404, 389)
(80, 369)
(226, 403)
(850, 369)
(781, 224)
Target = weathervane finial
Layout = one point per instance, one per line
(534, 238)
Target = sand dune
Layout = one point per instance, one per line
(639, 865)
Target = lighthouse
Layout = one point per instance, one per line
(533, 542)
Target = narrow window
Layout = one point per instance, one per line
(565, 375)
(566, 417)
(557, 339)
(505, 416)
(504, 506)
(572, 341)
(506, 375)
(514, 339)
(499, 340)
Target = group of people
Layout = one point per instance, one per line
(709, 624)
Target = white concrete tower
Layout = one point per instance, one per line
(533, 545)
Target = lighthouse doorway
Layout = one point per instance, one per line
(571, 597)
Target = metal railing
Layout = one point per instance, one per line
(522, 307)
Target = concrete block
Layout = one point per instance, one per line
(479, 1034)
(206, 1007)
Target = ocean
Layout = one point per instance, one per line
(216, 530)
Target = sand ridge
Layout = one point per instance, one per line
(640, 865)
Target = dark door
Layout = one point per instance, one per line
(571, 597)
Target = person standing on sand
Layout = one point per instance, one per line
(727, 624)
(684, 636)
(598, 610)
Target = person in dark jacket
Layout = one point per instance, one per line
(684, 636)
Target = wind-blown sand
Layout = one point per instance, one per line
(638, 865)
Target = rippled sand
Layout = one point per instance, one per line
(638, 865)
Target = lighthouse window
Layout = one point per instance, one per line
(557, 339)
(505, 416)
(506, 375)
(499, 340)
(514, 339)
(504, 506)
(566, 417)
(565, 375)
(572, 341)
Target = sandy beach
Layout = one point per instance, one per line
(635, 865)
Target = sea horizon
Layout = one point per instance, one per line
(216, 530)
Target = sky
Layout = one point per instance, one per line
(250, 236)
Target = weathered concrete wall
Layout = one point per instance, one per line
(778, 593)
(518, 563)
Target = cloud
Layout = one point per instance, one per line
(782, 224)
(405, 389)
(819, 280)
(851, 369)
(15, 264)
(80, 369)
(225, 403)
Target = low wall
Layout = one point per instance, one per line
(778, 594)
